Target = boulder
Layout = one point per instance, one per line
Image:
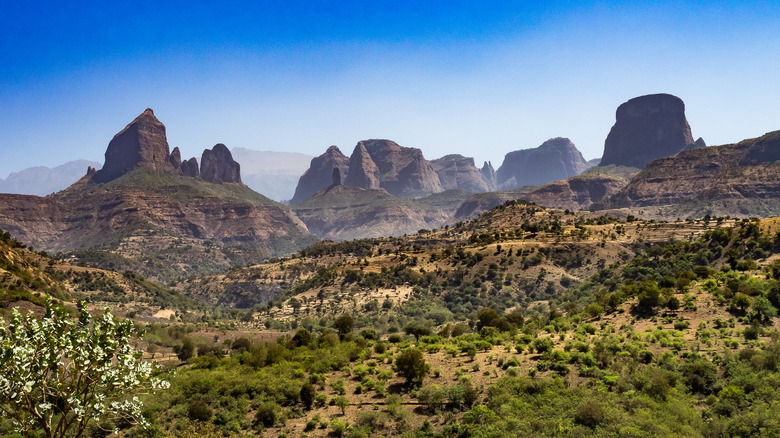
(175, 158)
(647, 128)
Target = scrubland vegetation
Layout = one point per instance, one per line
(524, 322)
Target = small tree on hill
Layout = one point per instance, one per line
(411, 365)
(344, 324)
(59, 376)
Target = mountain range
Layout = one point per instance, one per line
(151, 210)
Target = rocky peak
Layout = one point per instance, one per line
(403, 171)
(555, 159)
(190, 167)
(142, 144)
(647, 128)
(175, 158)
(217, 166)
(457, 172)
(320, 173)
(489, 175)
(363, 171)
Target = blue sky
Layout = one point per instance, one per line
(471, 77)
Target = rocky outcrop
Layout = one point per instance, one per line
(457, 172)
(336, 177)
(320, 173)
(489, 175)
(554, 160)
(363, 172)
(175, 158)
(743, 178)
(402, 171)
(647, 128)
(142, 144)
(190, 168)
(217, 166)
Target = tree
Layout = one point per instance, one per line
(342, 403)
(741, 301)
(60, 376)
(344, 324)
(308, 395)
(417, 329)
(411, 365)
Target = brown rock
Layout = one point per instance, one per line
(489, 175)
(457, 172)
(175, 158)
(336, 177)
(142, 144)
(740, 179)
(647, 128)
(217, 166)
(190, 168)
(363, 172)
(554, 160)
(403, 171)
(320, 173)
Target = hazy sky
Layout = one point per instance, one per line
(478, 78)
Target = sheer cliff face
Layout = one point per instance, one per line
(374, 164)
(457, 172)
(402, 171)
(320, 174)
(554, 160)
(647, 128)
(217, 166)
(142, 144)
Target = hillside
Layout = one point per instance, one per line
(344, 213)
(741, 179)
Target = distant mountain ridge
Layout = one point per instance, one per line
(555, 159)
(41, 180)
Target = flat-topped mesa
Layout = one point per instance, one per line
(556, 159)
(319, 175)
(217, 166)
(142, 144)
(647, 128)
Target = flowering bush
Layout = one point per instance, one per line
(59, 375)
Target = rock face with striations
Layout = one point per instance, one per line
(489, 175)
(363, 172)
(554, 160)
(457, 172)
(647, 128)
(142, 144)
(320, 173)
(217, 166)
(402, 171)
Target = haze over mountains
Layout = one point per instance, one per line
(147, 204)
